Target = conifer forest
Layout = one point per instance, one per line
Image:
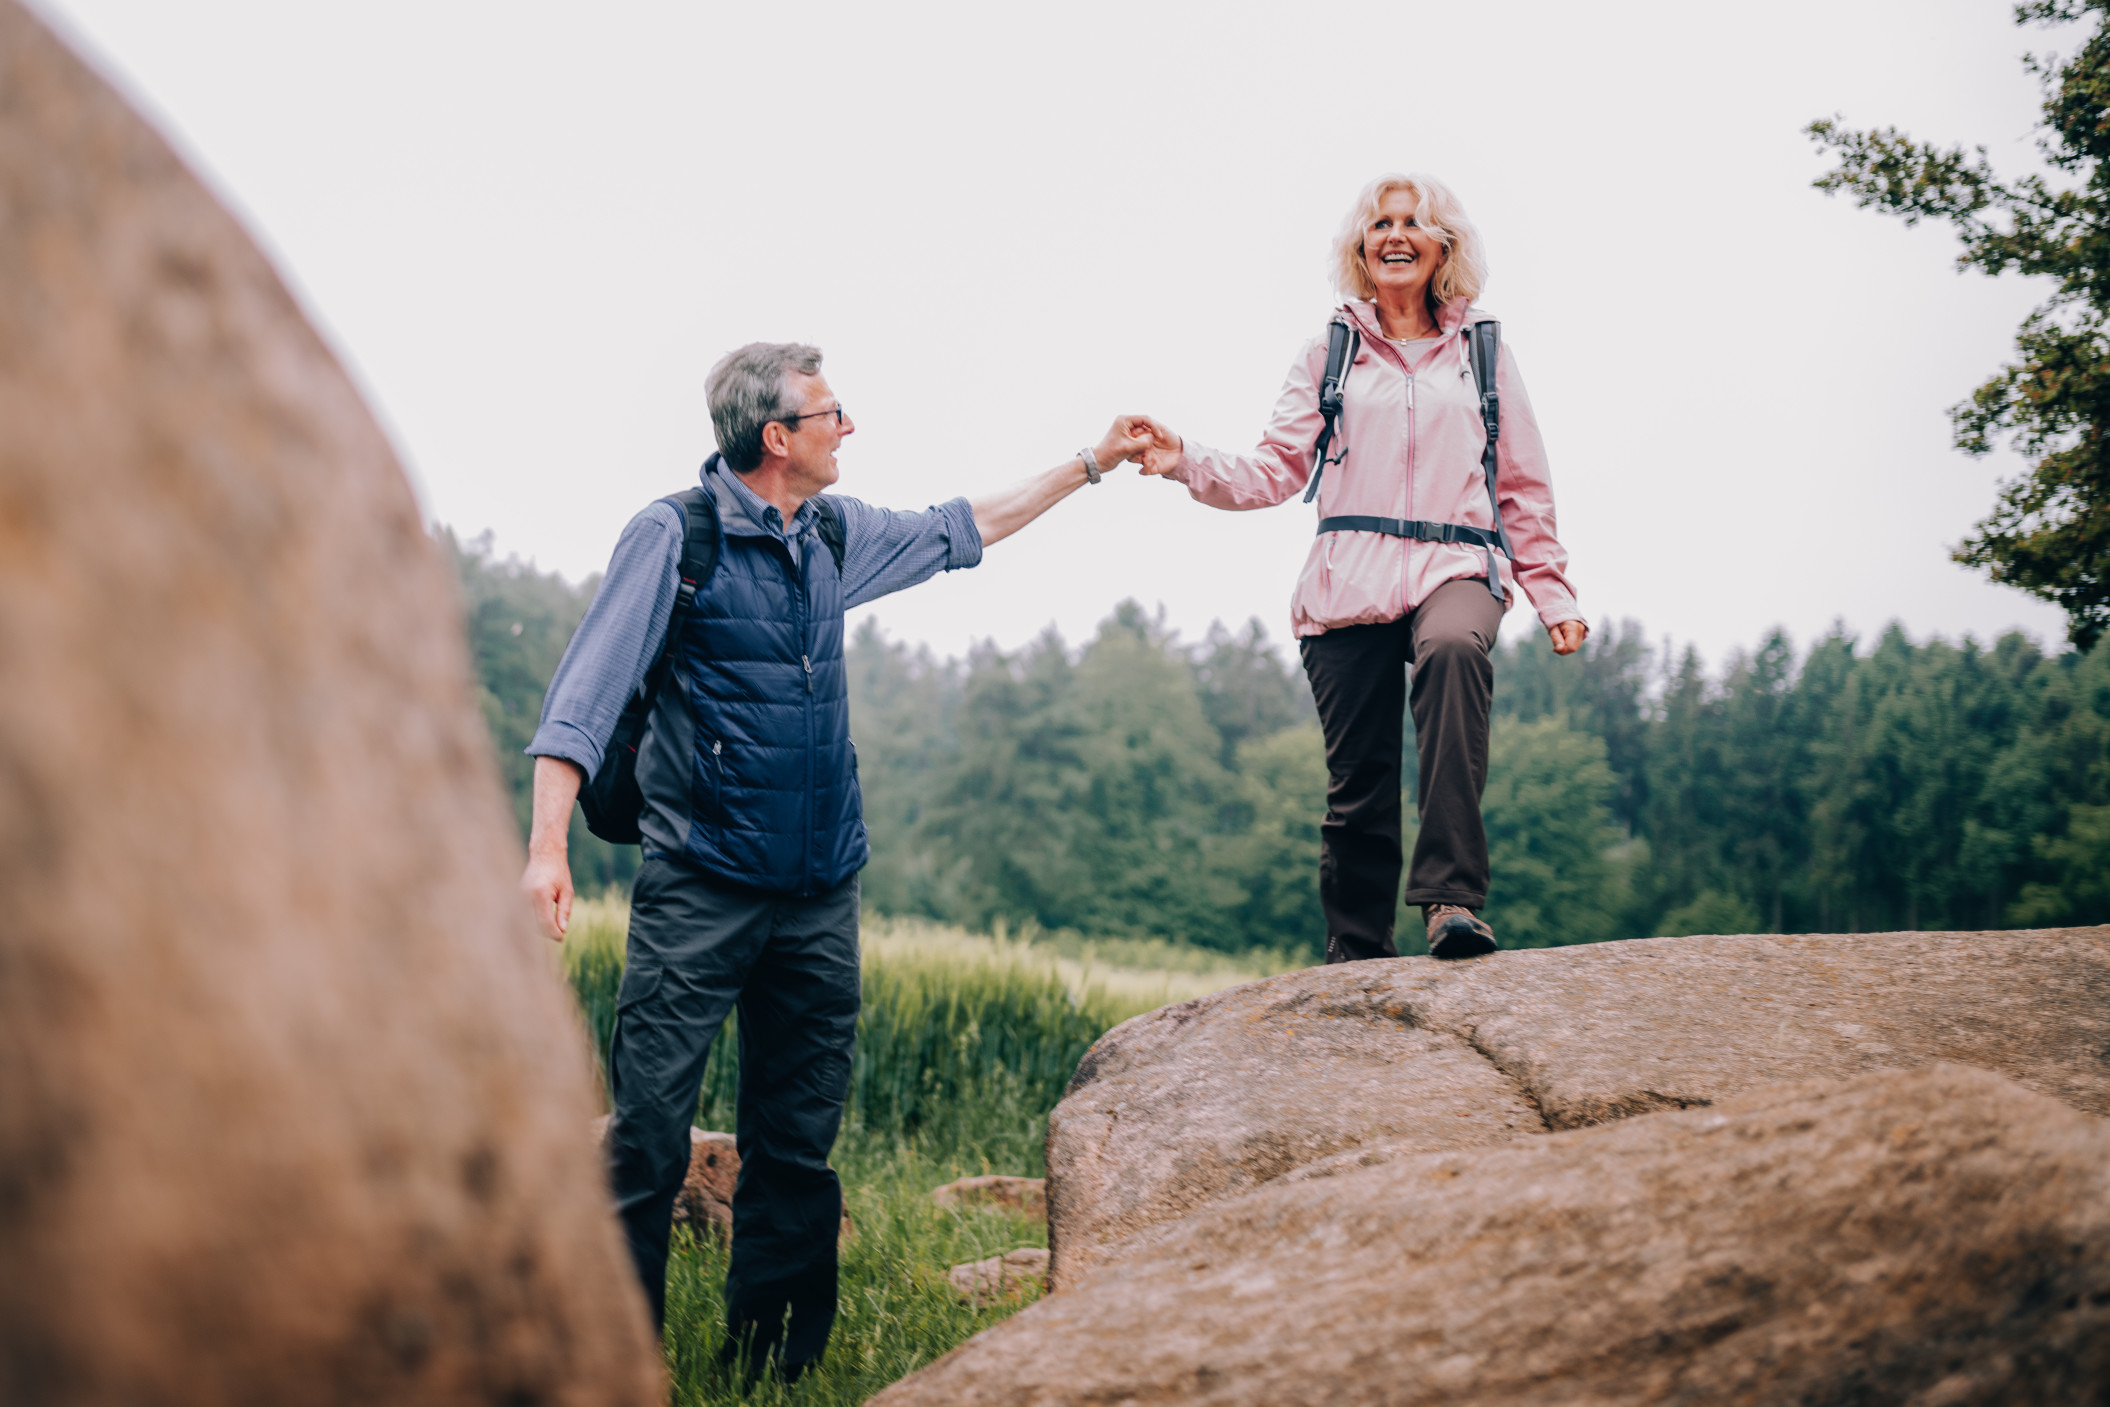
(1140, 785)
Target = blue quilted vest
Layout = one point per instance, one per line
(747, 768)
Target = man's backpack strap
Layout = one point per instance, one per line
(831, 528)
(611, 798)
(699, 559)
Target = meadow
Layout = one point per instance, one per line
(965, 1042)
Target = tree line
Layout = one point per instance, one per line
(1138, 784)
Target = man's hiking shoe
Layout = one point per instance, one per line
(1455, 933)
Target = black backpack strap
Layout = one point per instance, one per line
(831, 528)
(1484, 351)
(1343, 341)
(700, 538)
(1408, 527)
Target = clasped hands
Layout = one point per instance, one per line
(1142, 441)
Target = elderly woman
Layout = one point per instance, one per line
(1412, 565)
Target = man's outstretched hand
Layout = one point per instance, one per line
(1567, 636)
(1000, 514)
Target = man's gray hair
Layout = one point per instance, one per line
(746, 391)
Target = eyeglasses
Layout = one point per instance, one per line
(835, 410)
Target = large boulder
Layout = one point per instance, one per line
(1939, 1236)
(1201, 1101)
(290, 1094)
(1197, 1102)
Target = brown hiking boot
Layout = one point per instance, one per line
(1455, 933)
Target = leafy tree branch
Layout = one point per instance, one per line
(2049, 530)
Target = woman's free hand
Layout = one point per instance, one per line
(1567, 636)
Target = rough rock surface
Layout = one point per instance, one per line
(705, 1203)
(1939, 1236)
(1026, 1194)
(1196, 1102)
(289, 1090)
(1012, 1273)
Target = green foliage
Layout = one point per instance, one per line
(963, 1046)
(955, 1049)
(518, 621)
(896, 1313)
(1144, 790)
(1136, 787)
(2049, 532)
(1550, 839)
(1914, 785)
(1283, 775)
(1710, 911)
(961, 1053)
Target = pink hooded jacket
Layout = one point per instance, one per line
(1414, 439)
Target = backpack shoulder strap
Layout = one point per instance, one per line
(1483, 350)
(1343, 341)
(1483, 347)
(699, 542)
(700, 536)
(831, 528)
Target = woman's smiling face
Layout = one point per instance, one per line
(1400, 255)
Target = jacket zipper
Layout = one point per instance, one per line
(1406, 544)
(800, 578)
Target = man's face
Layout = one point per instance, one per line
(815, 434)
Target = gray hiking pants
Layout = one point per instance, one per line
(1359, 681)
(698, 948)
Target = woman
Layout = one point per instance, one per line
(1405, 458)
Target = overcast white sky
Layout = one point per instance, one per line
(531, 228)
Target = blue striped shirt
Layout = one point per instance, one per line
(884, 550)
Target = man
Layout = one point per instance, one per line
(753, 827)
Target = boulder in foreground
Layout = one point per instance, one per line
(290, 1095)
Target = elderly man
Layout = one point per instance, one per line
(752, 822)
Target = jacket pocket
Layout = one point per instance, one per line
(640, 982)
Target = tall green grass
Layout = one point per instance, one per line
(964, 1044)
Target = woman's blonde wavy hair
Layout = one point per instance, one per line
(1465, 262)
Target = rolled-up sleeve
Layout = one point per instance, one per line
(615, 644)
(887, 550)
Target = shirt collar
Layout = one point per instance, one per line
(744, 511)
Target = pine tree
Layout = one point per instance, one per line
(2049, 531)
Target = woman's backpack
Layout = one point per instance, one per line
(1483, 354)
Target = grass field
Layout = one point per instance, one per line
(964, 1044)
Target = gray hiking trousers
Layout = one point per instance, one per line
(1358, 679)
(699, 948)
